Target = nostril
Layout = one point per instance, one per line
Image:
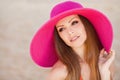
(70, 32)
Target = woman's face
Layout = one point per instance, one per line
(72, 31)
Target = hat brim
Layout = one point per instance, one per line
(42, 47)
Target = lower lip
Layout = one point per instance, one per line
(74, 39)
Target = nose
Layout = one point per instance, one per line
(70, 31)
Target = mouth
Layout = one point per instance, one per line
(74, 38)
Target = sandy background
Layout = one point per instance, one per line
(19, 19)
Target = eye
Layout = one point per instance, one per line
(60, 29)
(74, 22)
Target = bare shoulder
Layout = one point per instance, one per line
(58, 72)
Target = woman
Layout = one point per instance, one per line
(75, 43)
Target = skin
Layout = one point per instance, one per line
(69, 28)
(72, 32)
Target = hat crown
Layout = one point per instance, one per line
(64, 6)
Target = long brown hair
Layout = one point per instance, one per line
(68, 57)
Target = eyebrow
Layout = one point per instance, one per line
(59, 26)
(68, 22)
(71, 19)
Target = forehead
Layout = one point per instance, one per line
(66, 19)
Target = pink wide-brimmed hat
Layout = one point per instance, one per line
(42, 46)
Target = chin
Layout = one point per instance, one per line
(77, 45)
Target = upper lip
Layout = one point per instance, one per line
(74, 38)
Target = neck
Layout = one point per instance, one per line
(80, 52)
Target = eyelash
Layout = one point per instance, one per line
(74, 22)
(61, 29)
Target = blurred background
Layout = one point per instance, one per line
(19, 20)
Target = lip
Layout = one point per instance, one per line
(74, 38)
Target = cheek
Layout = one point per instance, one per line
(81, 30)
(65, 38)
(84, 34)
